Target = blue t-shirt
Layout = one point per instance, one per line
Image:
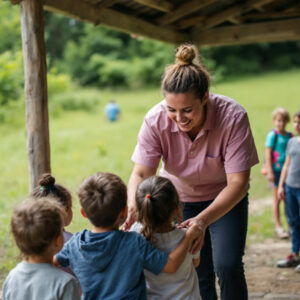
(278, 153)
(112, 111)
(110, 265)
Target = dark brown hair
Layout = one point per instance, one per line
(187, 74)
(47, 187)
(156, 200)
(35, 223)
(102, 197)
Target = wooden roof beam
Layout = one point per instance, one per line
(107, 3)
(274, 31)
(90, 13)
(229, 13)
(164, 6)
(183, 10)
(270, 15)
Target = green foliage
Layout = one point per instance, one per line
(104, 57)
(233, 61)
(57, 83)
(73, 100)
(11, 77)
(10, 29)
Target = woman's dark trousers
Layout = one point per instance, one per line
(222, 252)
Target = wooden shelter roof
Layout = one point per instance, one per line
(203, 22)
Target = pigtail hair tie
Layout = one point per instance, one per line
(148, 196)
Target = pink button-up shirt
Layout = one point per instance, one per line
(198, 168)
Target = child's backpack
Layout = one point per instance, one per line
(264, 169)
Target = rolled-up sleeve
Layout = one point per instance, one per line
(148, 149)
(241, 152)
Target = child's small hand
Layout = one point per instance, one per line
(280, 193)
(196, 235)
(271, 176)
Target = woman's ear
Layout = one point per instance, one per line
(205, 98)
(83, 213)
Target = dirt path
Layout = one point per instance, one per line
(263, 277)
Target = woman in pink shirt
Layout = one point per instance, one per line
(207, 151)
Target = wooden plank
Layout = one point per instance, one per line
(183, 10)
(35, 71)
(229, 13)
(89, 13)
(107, 3)
(270, 15)
(274, 31)
(164, 6)
(189, 22)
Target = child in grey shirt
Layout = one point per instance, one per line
(289, 189)
(37, 227)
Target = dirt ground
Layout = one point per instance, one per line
(260, 263)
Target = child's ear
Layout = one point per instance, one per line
(123, 215)
(82, 212)
(58, 240)
(124, 212)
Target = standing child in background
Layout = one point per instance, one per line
(56, 192)
(289, 189)
(276, 143)
(37, 227)
(158, 204)
(112, 111)
(108, 262)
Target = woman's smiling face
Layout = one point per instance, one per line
(187, 111)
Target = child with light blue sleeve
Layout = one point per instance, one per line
(276, 143)
(108, 262)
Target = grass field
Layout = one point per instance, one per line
(84, 142)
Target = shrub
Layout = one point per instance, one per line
(11, 77)
(57, 83)
(73, 100)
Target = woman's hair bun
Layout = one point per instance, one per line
(185, 54)
(47, 180)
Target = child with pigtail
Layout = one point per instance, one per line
(47, 188)
(158, 207)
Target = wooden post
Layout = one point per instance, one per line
(35, 73)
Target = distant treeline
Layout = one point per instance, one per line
(98, 56)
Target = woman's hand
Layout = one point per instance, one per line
(196, 226)
(131, 218)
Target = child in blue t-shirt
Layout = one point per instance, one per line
(108, 262)
(276, 143)
(289, 189)
(112, 111)
(158, 205)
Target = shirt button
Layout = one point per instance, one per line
(192, 152)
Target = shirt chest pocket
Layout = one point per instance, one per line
(212, 170)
